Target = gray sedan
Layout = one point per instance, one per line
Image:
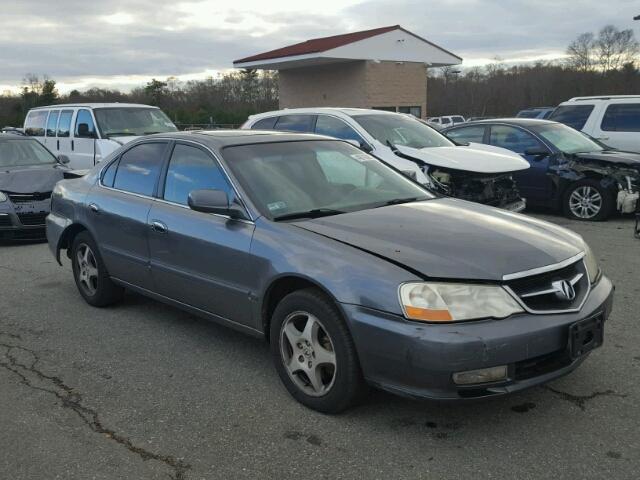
(355, 274)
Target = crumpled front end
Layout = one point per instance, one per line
(496, 190)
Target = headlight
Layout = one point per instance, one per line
(3, 197)
(591, 262)
(453, 302)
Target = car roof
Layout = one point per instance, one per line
(13, 136)
(95, 105)
(346, 111)
(224, 138)
(523, 122)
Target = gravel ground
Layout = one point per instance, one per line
(142, 390)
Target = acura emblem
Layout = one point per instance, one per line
(564, 290)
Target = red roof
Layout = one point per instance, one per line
(316, 45)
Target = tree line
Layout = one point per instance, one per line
(605, 63)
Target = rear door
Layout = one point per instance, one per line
(50, 139)
(63, 136)
(84, 139)
(534, 183)
(118, 210)
(200, 259)
(619, 126)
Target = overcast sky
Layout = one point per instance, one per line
(123, 43)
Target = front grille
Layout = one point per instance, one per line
(29, 197)
(5, 221)
(32, 218)
(551, 291)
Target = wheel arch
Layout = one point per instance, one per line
(66, 239)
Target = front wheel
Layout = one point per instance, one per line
(588, 200)
(314, 353)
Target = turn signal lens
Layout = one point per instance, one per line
(484, 375)
(452, 302)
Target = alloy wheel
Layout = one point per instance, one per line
(87, 269)
(585, 202)
(308, 353)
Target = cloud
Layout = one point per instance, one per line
(116, 40)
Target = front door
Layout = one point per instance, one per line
(63, 137)
(118, 212)
(200, 259)
(84, 139)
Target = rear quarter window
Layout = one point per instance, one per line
(572, 115)
(621, 117)
(296, 123)
(264, 124)
(35, 122)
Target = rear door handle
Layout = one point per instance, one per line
(158, 226)
(94, 208)
(57, 144)
(602, 138)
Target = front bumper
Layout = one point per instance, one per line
(418, 360)
(24, 224)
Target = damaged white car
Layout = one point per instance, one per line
(474, 172)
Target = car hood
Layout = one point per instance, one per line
(31, 179)
(613, 157)
(471, 158)
(450, 238)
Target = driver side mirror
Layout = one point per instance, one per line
(537, 153)
(214, 201)
(364, 146)
(63, 159)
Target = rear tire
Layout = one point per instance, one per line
(588, 200)
(90, 273)
(314, 353)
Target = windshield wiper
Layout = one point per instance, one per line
(119, 134)
(399, 201)
(152, 133)
(315, 213)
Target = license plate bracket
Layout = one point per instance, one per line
(586, 335)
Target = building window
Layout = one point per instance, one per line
(415, 111)
(385, 109)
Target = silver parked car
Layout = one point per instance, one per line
(354, 273)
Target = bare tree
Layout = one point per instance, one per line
(615, 47)
(581, 52)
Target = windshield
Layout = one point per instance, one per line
(123, 121)
(306, 179)
(566, 139)
(401, 130)
(19, 153)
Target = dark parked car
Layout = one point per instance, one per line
(569, 170)
(354, 273)
(28, 172)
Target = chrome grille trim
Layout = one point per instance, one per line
(546, 268)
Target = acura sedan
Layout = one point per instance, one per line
(355, 274)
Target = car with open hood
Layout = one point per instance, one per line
(28, 173)
(354, 273)
(472, 172)
(570, 171)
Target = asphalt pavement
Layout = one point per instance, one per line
(145, 391)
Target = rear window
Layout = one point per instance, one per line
(622, 117)
(573, 115)
(139, 168)
(34, 124)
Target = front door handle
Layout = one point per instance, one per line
(94, 208)
(158, 226)
(602, 138)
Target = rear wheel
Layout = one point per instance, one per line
(314, 353)
(588, 200)
(90, 273)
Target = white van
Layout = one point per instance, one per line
(88, 132)
(613, 120)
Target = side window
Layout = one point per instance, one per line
(84, 118)
(52, 123)
(192, 169)
(445, 121)
(295, 123)
(572, 115)
(467, 134)
(139, 168)
(513, 139)
(109, 173)
(34, 124)
(340, 169)
(621, 117)
(64, 124)
(334, 127)
(264, 124)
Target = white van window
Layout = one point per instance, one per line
(64, 124)
(52, 123)
(132, 121)
(84, 118)
(621, 117)
(34, 124)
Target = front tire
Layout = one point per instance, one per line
(314, 353)
(588, 200)
(90, 273)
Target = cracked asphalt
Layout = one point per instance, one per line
(145, 391)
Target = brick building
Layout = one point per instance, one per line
(384, 68)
